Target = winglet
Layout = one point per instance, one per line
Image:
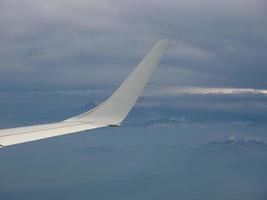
(115, 109)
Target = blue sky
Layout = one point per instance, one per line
(60, 58)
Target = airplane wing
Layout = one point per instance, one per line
(110, 113)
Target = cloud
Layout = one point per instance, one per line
(66, 44)
(172, 91)
(232, 138)
(163, 122)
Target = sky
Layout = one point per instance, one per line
(200, 124)
(52, 45)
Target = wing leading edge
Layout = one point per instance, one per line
(111, 112)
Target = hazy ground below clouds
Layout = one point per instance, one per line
(169, 148)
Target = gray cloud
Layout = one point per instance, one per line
(88, 44)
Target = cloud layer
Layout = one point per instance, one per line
(47, 45)
(174, 91)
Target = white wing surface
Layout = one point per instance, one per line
(112, 112)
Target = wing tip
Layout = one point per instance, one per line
(116, 108)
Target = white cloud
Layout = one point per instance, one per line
(173, 90)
